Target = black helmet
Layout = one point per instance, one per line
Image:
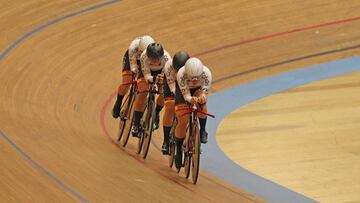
(154, 51)
(179, 59)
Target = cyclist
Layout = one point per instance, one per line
(153, 60)
(170, 70)
(194, 81)
(131, 64)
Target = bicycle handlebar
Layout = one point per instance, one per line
(130, 83)
(195, 108)
(151, 90)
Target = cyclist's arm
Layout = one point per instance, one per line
(183, 86)
(170, 75)
(145, 68)
(172, 86)
(133, 51)
(205, 86)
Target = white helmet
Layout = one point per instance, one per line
(145, 41)
(193, 67)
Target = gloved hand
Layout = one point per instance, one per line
(135, 73)
(194, 100)
(202, 99)
(134, 67)
(159, 78)
(150, 79)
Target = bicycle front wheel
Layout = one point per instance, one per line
(122, 124)
(141, 134)
(188, 151)
(128, 126)
(148, 129)
(195, 153)
(125, 116)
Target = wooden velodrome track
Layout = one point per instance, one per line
(58, 76)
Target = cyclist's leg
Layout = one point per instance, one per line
(202, 120)
(159, 107)
(168, 116)
(180, 132)
(139, 103)
(124, 87)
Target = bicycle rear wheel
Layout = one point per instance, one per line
(187, 162)
(148, 129)
(172, 144)
(195, 153)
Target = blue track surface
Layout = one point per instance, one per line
(223, 103)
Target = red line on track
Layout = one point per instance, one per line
(277, 35)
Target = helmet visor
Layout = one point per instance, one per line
(195, 78)
(155, 61)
